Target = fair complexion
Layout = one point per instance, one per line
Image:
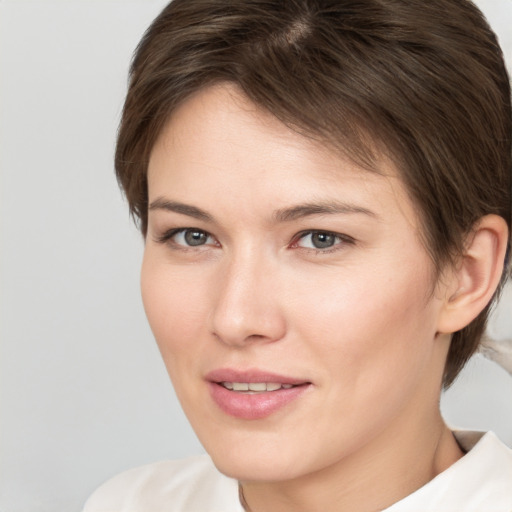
(271, 258)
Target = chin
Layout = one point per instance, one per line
(248, 461)
(260, 469)
(263, 456)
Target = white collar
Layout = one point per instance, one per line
(481, 481)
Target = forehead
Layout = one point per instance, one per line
(220, 138)
(214, 110)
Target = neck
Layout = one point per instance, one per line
(389, 468)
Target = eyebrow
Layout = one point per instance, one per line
(328, 208)
(184, 209)
(282, 215)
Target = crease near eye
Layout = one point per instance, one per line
(321, 241)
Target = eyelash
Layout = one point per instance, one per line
(167, 238)
(341, 240)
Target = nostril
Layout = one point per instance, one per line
(239, 340)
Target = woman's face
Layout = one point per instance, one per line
(275, 267)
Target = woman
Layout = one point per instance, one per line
(324, 191)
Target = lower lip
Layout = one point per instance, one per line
(254, 406)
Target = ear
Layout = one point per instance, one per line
(470, 286)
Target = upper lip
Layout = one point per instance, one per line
(251, 375)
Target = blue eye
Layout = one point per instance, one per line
(321, 240)
(192, 237)
(187, 237)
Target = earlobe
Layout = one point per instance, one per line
(473, 283)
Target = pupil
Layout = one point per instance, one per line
(322, 240)
(195, 237)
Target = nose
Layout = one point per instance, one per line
(247, 308)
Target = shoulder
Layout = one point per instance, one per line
(485, 449)
(484, 474)
(187, 485)
(481, 480)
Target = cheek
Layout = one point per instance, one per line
(372, 338)
(175, 305)
(370, 323)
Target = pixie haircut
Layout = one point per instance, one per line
(420, 82)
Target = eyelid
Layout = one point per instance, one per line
(167, 238)
(343, 240)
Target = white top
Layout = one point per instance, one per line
(481, 481)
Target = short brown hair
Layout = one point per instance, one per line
(422, 81)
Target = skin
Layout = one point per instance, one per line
(359, 320)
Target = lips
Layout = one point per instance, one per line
(253, 394)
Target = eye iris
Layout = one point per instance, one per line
(195, 237)
(322, 240)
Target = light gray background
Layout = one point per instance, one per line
(83, 391)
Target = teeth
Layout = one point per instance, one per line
(256, 387)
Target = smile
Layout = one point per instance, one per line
(255, 387)
(254, 394)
